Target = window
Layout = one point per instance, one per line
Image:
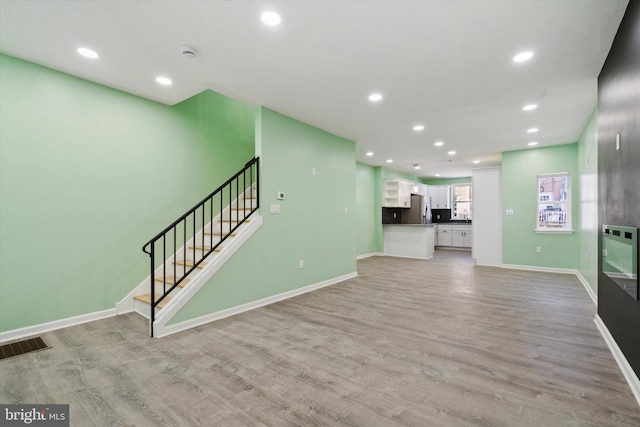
(554, 202)
(462, 201)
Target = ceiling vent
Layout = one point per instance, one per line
(188, 52)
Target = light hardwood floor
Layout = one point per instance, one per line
(407, 343)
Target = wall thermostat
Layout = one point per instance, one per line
(281, 195)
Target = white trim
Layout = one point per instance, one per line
(370, 254)
(542, 269)
(208, 318)
(409, 257)
(55, 324)
(592, 294)
(627, 371)
(550, 231)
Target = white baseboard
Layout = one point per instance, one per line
(370, 254)
(208, 318)
(592, 294)
(627, 371)
(541, 269)
(56, 324)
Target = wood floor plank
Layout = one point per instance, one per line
(406, 343)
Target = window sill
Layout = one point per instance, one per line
(544, 231)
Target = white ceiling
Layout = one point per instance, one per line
(444, 64)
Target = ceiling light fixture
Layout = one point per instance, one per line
(529, 107)
(475, 162)
(165, 81)
(416, 166)
(271, 19)
(523, 57)
(389, 161)
(375, 97)
(369, 153)
(451, 153)
(439, 144)
(532, 130)
(532, 144)
(418, 128)
(437, 174)
(88, 53)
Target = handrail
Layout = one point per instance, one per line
(192, 228)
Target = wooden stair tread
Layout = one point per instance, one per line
(171, 280)
(190, 263)
(217, 233)
(146, 298)
(241, 209)
(233, 220)
(204, 248)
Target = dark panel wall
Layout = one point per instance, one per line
(619, 172)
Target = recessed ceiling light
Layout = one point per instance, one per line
(533, 143)
(529, 107)
(418, 128)
(451, 153)
(87, 53)
(375, 97)
(165, 81)
(439, 144)
(523, 56)
(369, 153)
(389, 161)
(416, 166)
(475, 162)
(271, 18)
(437, 174)
(532, 130)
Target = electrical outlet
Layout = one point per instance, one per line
(301, 263)
(538, 249)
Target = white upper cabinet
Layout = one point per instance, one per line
(396, 193)
(440, 197)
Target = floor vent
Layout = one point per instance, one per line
(22, 347)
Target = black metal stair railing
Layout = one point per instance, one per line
(190, 239)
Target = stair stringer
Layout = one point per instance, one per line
(128, 304)
(164, 316)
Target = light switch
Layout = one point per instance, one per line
(281, 195)
(509, 212)
(274, 208)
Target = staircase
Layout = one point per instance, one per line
(187, 253)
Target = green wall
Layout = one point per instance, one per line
(447, 181)
(87, 175)
(368, 213)
(519, 192)
(587, 225)
(312, 225)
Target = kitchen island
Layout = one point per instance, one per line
(409, 240)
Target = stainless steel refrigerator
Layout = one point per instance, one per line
(419, 212)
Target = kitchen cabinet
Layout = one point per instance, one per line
(454, 235)
(461, 236)
(440, 197)
(444, 235)
(396, 193)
